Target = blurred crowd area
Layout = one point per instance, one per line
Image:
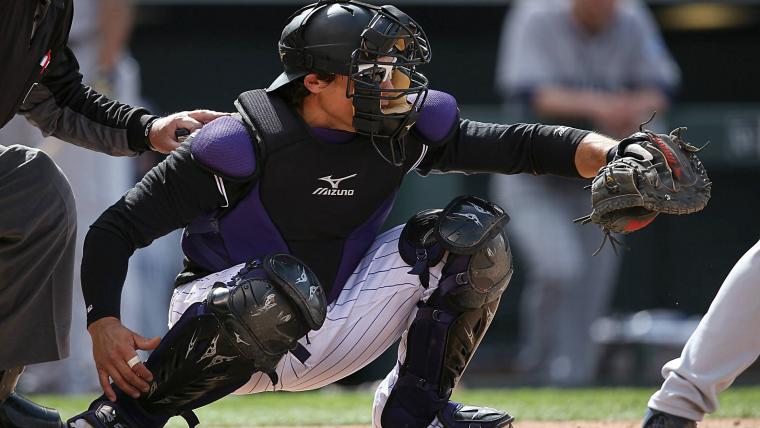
(567, 319)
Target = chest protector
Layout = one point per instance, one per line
(322, 202)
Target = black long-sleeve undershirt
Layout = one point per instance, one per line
(508, 149)
(179, 190)
(169, 196)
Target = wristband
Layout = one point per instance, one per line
(148, 127)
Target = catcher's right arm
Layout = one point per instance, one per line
(650, 174)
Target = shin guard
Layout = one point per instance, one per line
(450, 325)
(243, 326)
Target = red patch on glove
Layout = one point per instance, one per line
(669, 156)
(639, 223)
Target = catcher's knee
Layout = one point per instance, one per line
(479, 265)
(245, 325)
(270, 304)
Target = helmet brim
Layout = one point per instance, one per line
(285, 78)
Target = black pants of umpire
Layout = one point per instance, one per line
(37, 238)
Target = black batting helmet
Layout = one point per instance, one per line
(372, 45)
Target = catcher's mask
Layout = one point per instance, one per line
(378, 48)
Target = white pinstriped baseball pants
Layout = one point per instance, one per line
(374, 309)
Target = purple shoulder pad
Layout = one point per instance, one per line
(437, 116)
(224, 146)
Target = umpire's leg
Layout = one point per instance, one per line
(37, 231)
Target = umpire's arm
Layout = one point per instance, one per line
(60, 105)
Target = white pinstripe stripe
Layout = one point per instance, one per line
(388, 239)
(337, 310)
(380, 335)
(349, 363)
(348, 287)
(364, 263)
(363, 331)
(373, 309)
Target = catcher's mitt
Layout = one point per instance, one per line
(650, 174)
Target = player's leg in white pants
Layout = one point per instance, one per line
(371, 312)
(724, 344)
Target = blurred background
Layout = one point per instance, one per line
(567, 319)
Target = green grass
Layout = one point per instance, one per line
(345, 408)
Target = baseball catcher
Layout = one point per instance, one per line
(288, 284)
(649, 174)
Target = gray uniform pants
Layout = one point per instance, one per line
(724, 344)
(37, 231)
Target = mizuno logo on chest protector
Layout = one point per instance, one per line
(333, 190)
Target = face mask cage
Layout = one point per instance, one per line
(386, 89)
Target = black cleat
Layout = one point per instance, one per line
(658, 419)
(18, 412)
(456, 415)
(102, 414)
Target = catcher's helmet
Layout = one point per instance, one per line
(372, 45)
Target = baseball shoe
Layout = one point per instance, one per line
(19, 412)
(102, 414)
(456, 415)
(658, 419)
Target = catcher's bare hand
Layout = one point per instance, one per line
(162, 132)
(113, 346)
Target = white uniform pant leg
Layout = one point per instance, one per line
(724, 344)
(370, 314)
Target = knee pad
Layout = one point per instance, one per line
(449, 326)
(479, 264)
(245, 325)
(270, 304)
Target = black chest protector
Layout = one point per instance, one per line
(326, 201)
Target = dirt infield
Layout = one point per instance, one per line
(711, 423)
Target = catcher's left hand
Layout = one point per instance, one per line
(650, 174)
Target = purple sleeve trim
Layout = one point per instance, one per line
(224, 146)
